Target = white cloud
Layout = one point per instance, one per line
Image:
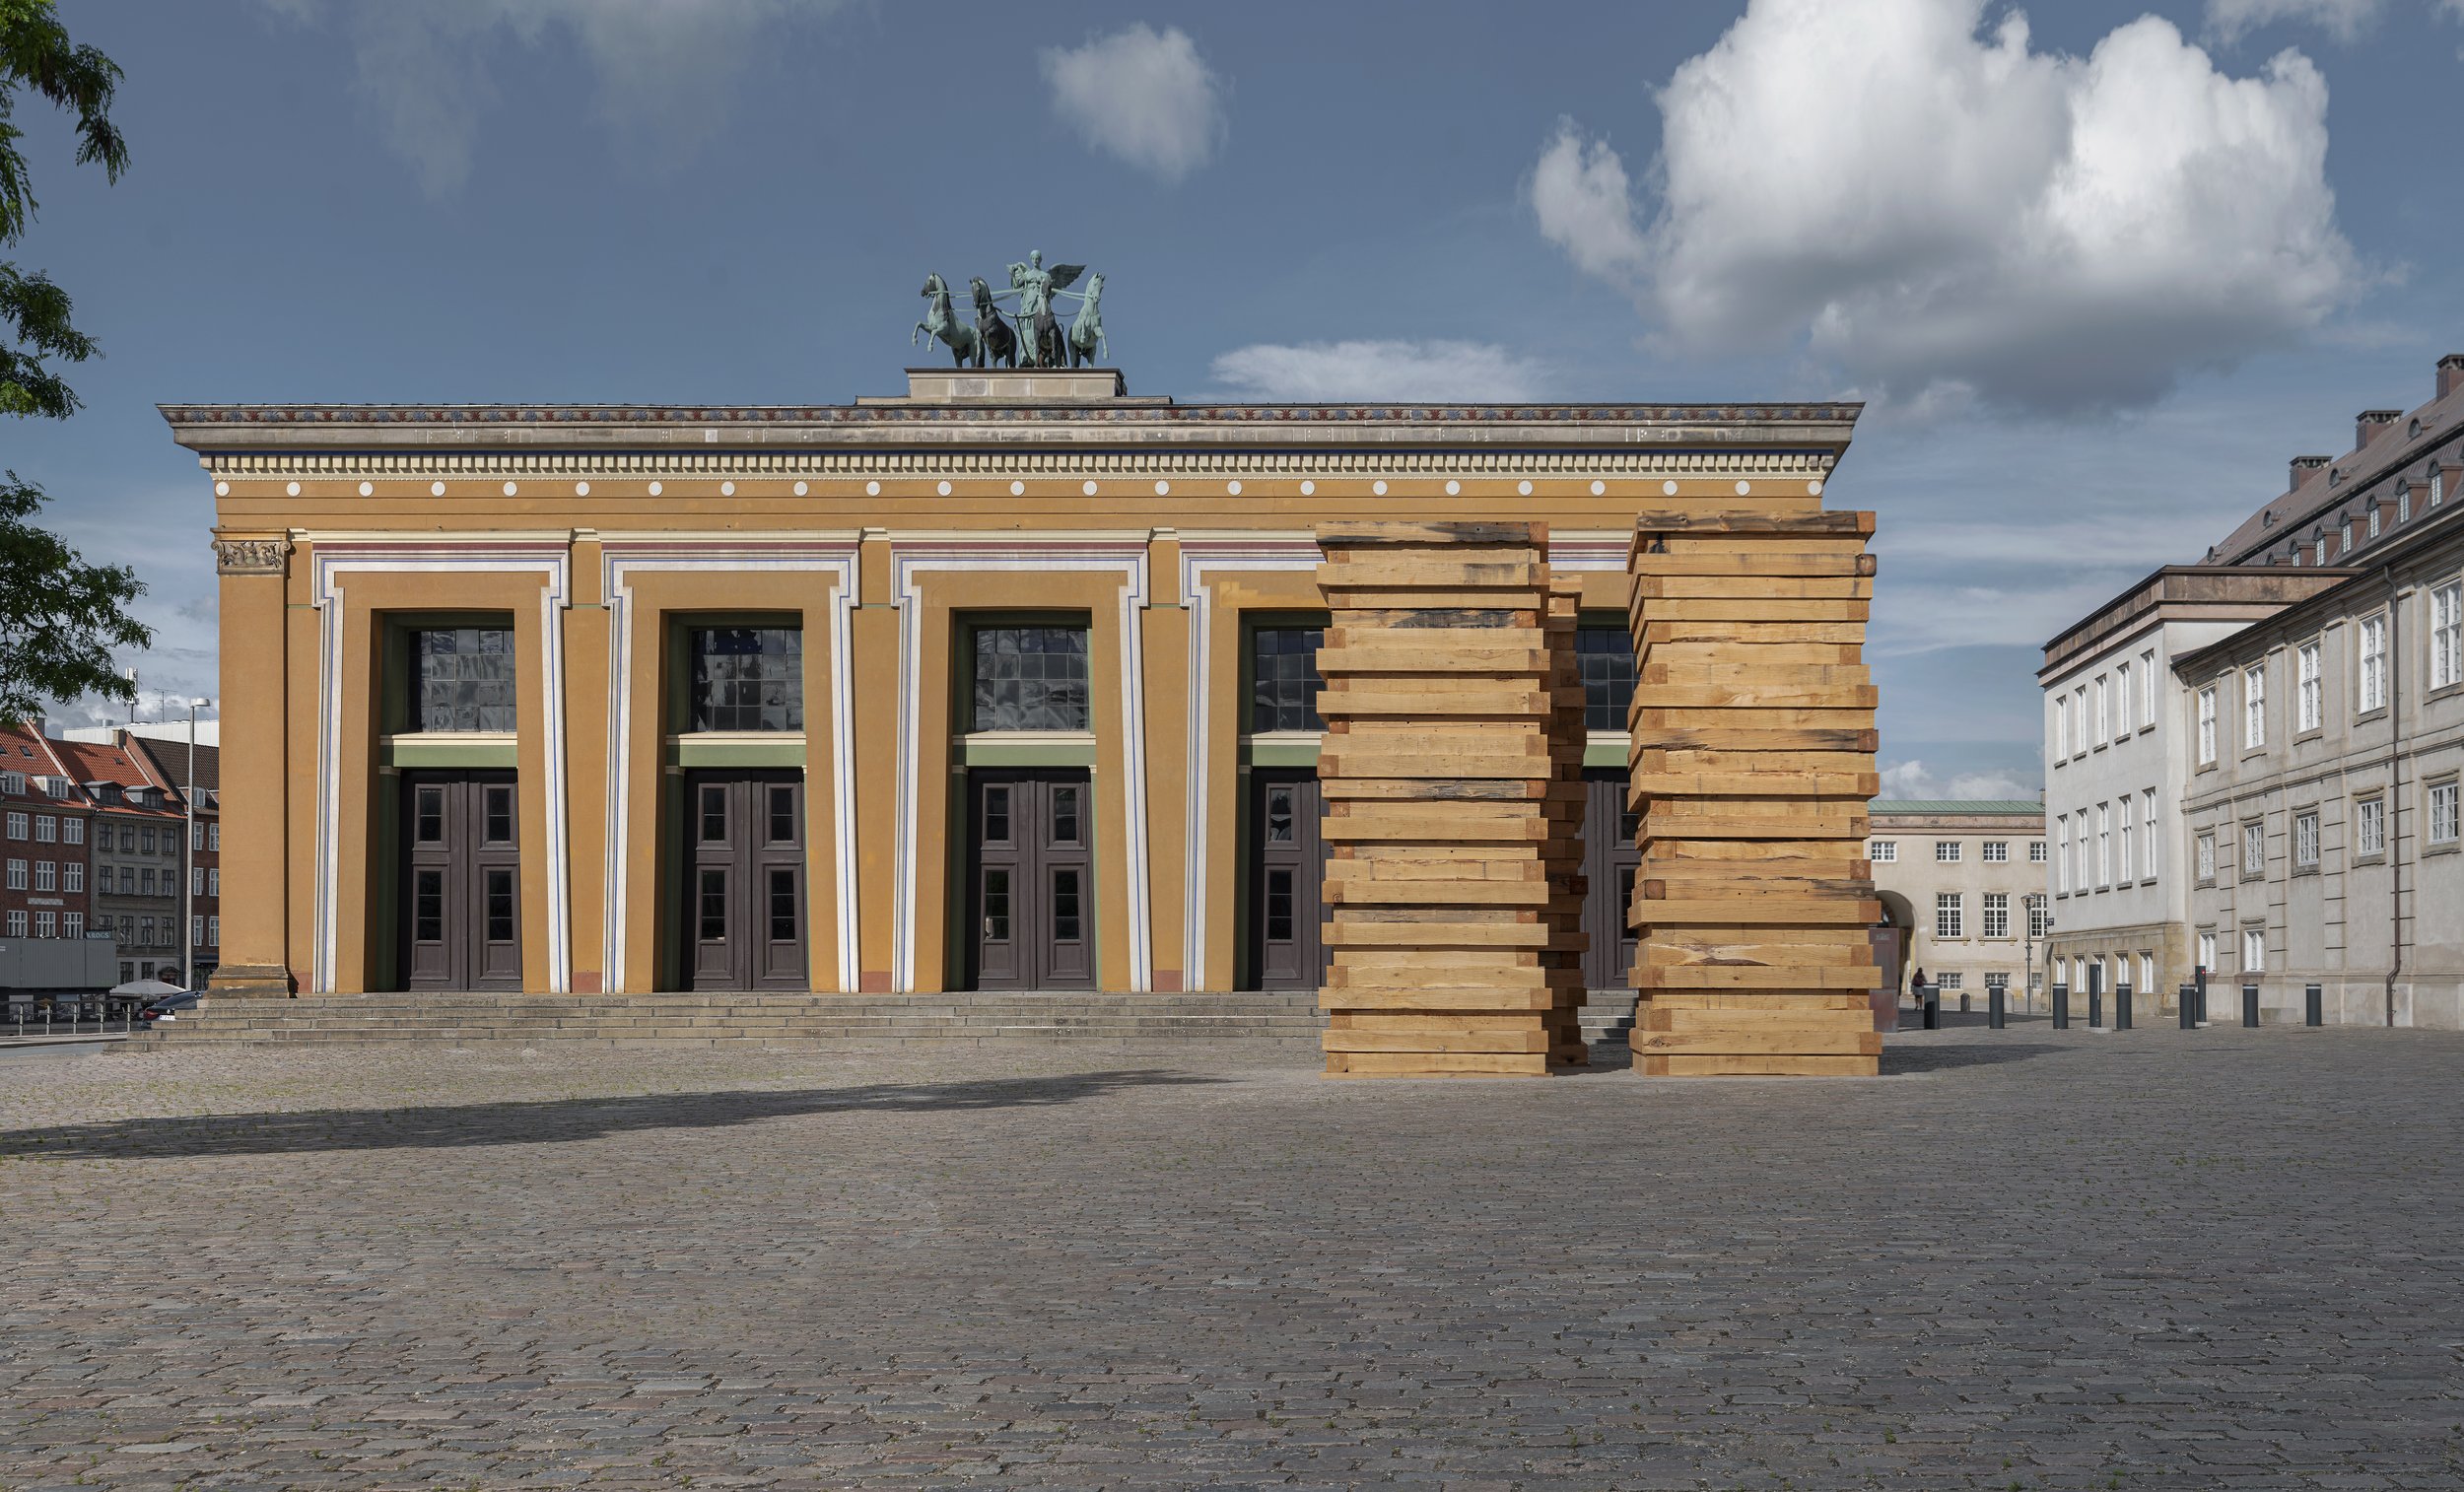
(1935, 211)
(1143, 95)
(1912, 778)
(663, 66)
(2344, 20)
(1467, 372)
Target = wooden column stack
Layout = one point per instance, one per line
(1453, 830)
(1752, 764)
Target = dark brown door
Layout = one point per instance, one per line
(1609, 861)
(1031, 879)
(1288, 879)
(744, 880)
(461, 881)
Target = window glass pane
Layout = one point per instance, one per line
(500, 814)
(430, 815)
(462, 678)
(1279, 906)
(714, 813)
(1280, 815)
(996, 815)
(713, 910)
(1605, 657)
(746, 678)
(427, 906)
(1283, 678)
(1031, 678)
(499, 893)
(781, 814)
(1065, 815)
(1065, 906)
(996, 904)
(782, 906)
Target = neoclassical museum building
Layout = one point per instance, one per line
(1003, 682)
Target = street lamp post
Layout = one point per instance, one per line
(188, 860)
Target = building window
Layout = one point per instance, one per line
(2001, 982)
(2207, 725)
(1883, 851)
(128, 928)
(128, 880)
(17, 875)
(129, 839)
(46, 829)
(2443, 829)
(196, 932)
(73, 925)
(1997, 851)
(46, 875)
(2146, 833)
(2206, 856)
(1032, 678)
(145, 932)
(2206, 951)
(2446, 635)
(2105, 711)
(1945, 851)
(2121, 700)
(2061, 727)
(2254, 706)
(2253, 950)
(1949, 914)
(145, 838)
(2438, 488)
(2146, 973)
(17, 826)
(73, 832)
(1953, 981)
(1284, 682)
(2062, 866)
(73, 877)
(2373, 662)
(2039, 917)
(2369, 827)
(745, 679)
(1997, 913)
(2035, 852)
(214, 881)
(196, 835)
(2404, 503)
(461, 679)
(214, 835)
(2146, 687)
(2306, 693)
(196, 880)
(1605, 657)
(2105, 845)
(2253, 850)
(17, 925)
(214, 932)
(2305, 839)
(144, 880)
(2122, 859)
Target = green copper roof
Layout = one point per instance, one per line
(2028, 806)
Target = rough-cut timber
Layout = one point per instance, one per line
(1751, 764)
(1452, 775)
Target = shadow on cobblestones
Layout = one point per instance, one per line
(1898, 1060)
(552, 1120)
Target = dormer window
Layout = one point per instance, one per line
(2412, 431)
(2373, 520)
(2267, 518)
(2335, 477)
(13, 782)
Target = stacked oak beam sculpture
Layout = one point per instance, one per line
(1451, 820)
(1752, 762)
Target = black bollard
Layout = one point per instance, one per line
(2061, 1007)
(2121, 1006)
(1929, 1001)
(2096, 996)
(1995, 996)
(2188, 998)
(2250, 1005)
(2202, 979)
(2313, 1006)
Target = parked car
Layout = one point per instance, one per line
(168, 1007)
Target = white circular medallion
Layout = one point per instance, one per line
(1163, 489)
(1524, 487)
(1017, 489)
(1378, 487)
(293, 488)
(727, 489)
(368, 489)
(1088, 488)
(872, 488)
(222, 489)
(1453, 489)
(657, 488)
(1813, 489)
(1598, 488)
(1233, 488)
(581, 489)
(801, 489)
(943, 489)
(1308, 489)
(1744, 488)
(510, 489)
(436, 488)
(1667, 489)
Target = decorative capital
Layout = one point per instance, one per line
(252, 557)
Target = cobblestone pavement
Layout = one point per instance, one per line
(2221, 1259)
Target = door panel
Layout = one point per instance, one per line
(744, 892)
(1610, 862)
(1031, 879)
(1287, 880)
(461, 881)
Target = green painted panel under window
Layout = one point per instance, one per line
(737, 752)
(1279, 754)
(411, 751)
(1027, 753)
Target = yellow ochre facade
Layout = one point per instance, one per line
(910, 550)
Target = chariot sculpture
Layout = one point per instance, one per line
(1038, 339)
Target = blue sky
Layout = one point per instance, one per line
(2100, 277)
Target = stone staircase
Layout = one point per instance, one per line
(727, 1020)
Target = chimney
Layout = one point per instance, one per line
(2370, 422)
(2450, 374)
(2306, 469)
